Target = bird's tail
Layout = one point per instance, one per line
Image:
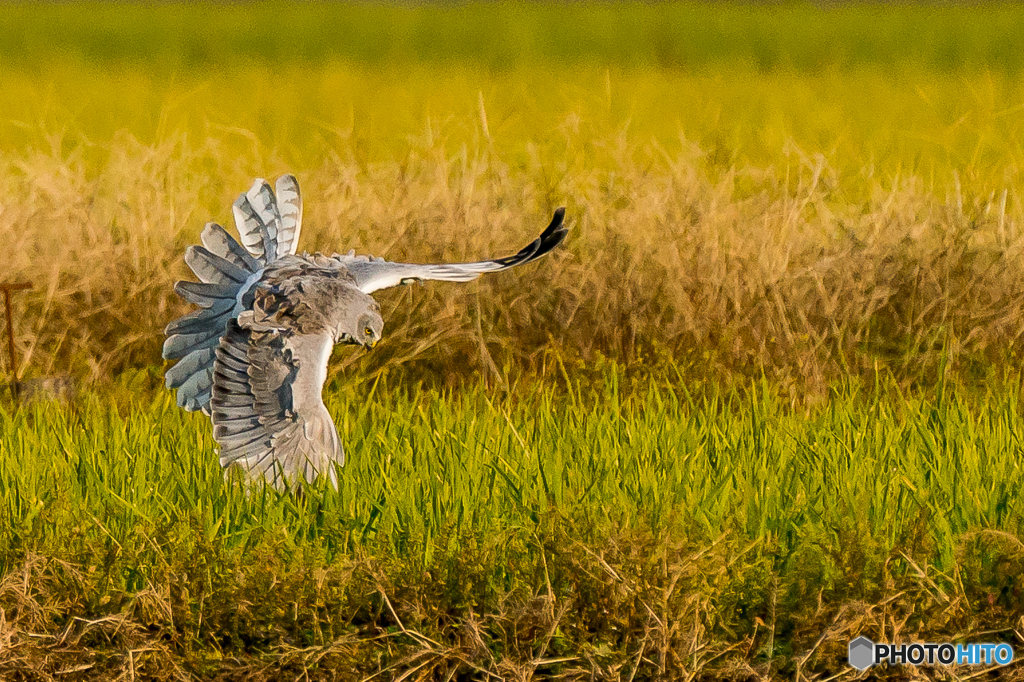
(270, 223)
(269, 226)
(223, 268)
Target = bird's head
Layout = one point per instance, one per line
(369, 328)
(361, 323)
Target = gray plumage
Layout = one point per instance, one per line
(268, 414)
(290, 203)
(216, 239)
(254, 356)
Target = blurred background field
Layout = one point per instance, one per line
(796, 191)
(765, 398)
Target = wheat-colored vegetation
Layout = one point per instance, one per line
(798, 270)
(788, 205)
(763, 400)
(731, 270)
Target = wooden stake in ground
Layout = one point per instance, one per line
(7, 289)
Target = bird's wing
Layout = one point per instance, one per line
(224, 268)
(270, 224)
(372, 274)
(267, 411)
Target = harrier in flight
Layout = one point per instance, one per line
(254, 356)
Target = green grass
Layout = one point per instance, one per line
(609, 515)
(507, 35)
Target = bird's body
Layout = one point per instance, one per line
(254, 356)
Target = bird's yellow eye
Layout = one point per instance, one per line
(368, 331)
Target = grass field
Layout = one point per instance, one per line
(766, 398)
(611, 530)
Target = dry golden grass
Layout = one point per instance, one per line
(737, 270)
(657, 611)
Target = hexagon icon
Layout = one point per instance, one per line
(862, 653)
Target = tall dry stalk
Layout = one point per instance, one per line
(742, 271)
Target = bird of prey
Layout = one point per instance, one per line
(254, 355)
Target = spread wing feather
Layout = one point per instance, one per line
(218, 241)
(192, 363)
(194, 392)
(201, 319)
(181, 345)
(212, 269)
(268, 415)
(207, 295)
(223, 267)
(372, 274)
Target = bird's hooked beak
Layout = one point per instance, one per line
(371, 344)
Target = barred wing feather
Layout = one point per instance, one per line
(268, 414)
